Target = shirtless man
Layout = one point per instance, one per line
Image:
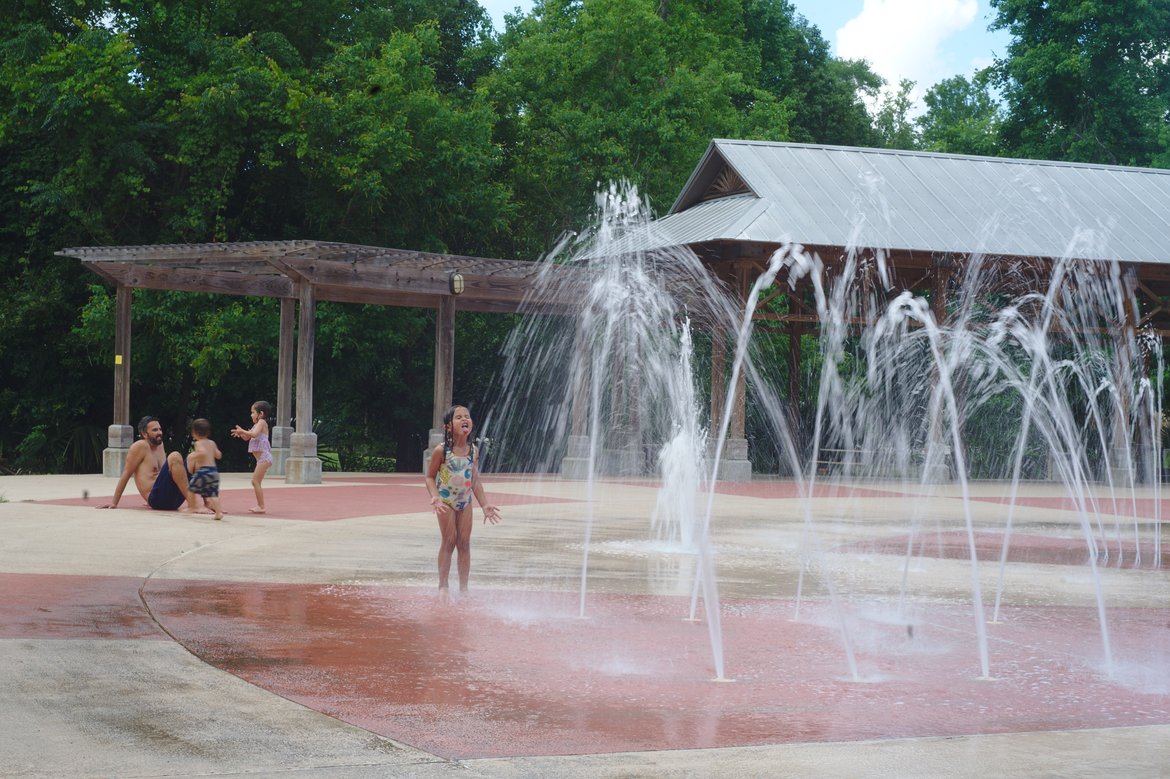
(161, 479)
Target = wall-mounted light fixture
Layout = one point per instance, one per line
(455, 282)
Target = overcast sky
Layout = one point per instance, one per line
(922, 40)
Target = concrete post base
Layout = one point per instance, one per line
(575, 464)
(303, 466)
(626, 461)
(734, 464)
(113, 461)
(119, 438)
(280, 449)
(434, 438)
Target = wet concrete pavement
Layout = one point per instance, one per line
(310, 641)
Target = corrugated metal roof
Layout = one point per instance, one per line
(917, 201)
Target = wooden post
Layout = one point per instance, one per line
(123, 301)
(303, 465)
(738, 426)
(282, 429)
(735, 465)
(1126, 361)
(121, 433)
(941, 471)
(718, 377)
(938, 299)
(575, 464)
(444, 358)
(444, 370)
(794, 384)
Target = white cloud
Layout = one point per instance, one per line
(903, 38)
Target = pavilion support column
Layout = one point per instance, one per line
(303, 466)
(794, 385)
(282, 426)
(938, 469)
(734, 464)
(718, 378)
(575, 464)
(444, 370)
(622, 454)
(121, 433)
(1123, 456)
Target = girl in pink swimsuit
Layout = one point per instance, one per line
(260, 447)
(452, 480)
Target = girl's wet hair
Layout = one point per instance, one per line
(447, 438)
(264, 409)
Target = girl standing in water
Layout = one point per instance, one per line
(452, 480)
(259, 446)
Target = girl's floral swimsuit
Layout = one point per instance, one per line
(261, 447)
(454, 479)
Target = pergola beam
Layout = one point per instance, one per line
(189, 280)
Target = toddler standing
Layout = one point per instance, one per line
(201, 465)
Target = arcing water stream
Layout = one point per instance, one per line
(1027, 376)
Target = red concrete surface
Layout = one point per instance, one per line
(1022, 548)
(324, 504)
(518, 673)
(790, 490)
(1145, 508)
(71, 607)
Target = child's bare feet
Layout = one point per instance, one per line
(257, 510)
(444, 595)
(219, 515)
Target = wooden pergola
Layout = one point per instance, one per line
(300, 273)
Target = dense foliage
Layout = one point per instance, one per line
(415, 125)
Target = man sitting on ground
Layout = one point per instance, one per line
(161, 479)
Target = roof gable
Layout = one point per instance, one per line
(712, 178)
(917, 201)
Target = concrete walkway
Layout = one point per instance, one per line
(310, 641)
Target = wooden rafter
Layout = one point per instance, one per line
(727, 182)
(346, 273)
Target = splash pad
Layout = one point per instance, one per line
(982, 554)
(514, 670)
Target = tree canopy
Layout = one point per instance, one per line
(1085, 80)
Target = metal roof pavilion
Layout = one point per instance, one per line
(903, 201)
(928, 214)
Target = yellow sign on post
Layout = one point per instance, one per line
(117, 359)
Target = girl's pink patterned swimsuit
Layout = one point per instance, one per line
(455, 478)
(262, 447)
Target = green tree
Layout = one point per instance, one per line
(136, 122)
(73, 161)
(607, 90)
(962, 116)
(604, 90)
(823, 94)
(893, 122)
(1085, 80)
